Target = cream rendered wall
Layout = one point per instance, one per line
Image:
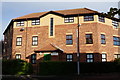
(58, 20)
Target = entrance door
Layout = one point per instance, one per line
(47, 57)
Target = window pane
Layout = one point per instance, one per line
(115, 24)
(18, 56)
(103, 60)
(101, 19)
(19, 41)
(69, 57)
(35, 22)
(88, 18)
(116, 41)
(69, 19)
(89, 39)
(20, 23)
(69, 39)
(118, 56)
(34, 40)
(103, 55)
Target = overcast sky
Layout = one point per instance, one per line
(12, 10)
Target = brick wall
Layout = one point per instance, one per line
(60, 40)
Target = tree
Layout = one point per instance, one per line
(112, 12)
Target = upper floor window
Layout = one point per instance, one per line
(35, 40)
(116, 41)
(19, 41)
(18, 56)
(69, 40)
(51, 26)
(101, 19)
(69, 19)
(90, 57)
(20, 23)
(69, 57)
(89, 39)
(103, 39)
(115, 24)
(104, 58)
(36, 22)
(89, 18)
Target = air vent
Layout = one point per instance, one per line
(22, 29)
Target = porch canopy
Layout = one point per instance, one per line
(49, 48)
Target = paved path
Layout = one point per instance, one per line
(111, 76)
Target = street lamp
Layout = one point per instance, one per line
(78, 48)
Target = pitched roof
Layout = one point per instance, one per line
(76, 11)
(48, 48)
(32, 15)
(62, 12)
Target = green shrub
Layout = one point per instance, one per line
(16, 67)
(117, 62)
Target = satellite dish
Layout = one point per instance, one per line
(22, 29)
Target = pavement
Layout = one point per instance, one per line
(108, 76)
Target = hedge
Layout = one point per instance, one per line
(70, 68)
(56, 68)
(16, 67)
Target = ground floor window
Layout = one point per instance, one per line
(33, 58)
(18, 56)
(104, 57)
(117, 56)
(69, 57)
(90, 57)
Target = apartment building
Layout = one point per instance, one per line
(52, 36)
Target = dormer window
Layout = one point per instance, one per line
(69, 19)
(20, 23)
(101, 19)
(89, 18)
(36, 22)
(115, 24)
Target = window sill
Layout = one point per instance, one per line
(116, 46)
(34, 46)
(51, 36)
(69, 45)
(89, 44)
(103, 44)
(18, 46)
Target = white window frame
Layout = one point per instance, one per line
(90, 57)
(34, 40)
(104, 57)
(36, 22)
(115, 24)
(69, 19)
(89, 18)
(101, 19)
(19, 41)
(20, 23)
(117, 56)
(18, 56)
(69, 57)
